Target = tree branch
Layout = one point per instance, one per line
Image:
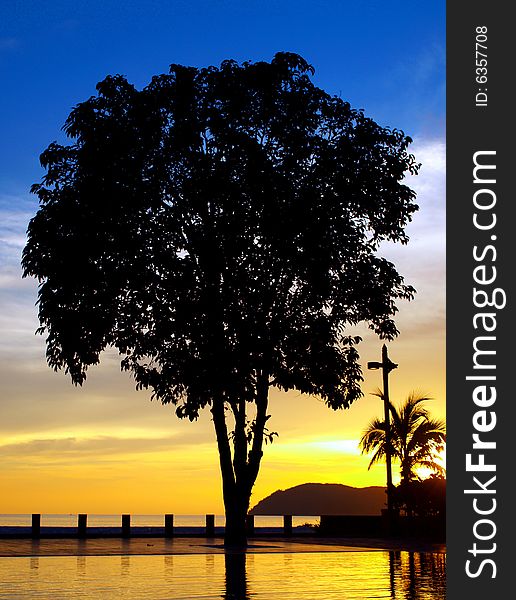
(239, 440)
(256, 452)
(219, 420)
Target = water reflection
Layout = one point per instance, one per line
(125, 565)
(34, 566)
(393, 558)
(210, 564)
(417, 575)
(213, 576)
(236, 580)
(81, 566)
(168, 567)
(411, 576)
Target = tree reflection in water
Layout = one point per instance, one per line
(236, 583)
(393, 575)
(414, 575)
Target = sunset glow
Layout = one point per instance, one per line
(106, 448)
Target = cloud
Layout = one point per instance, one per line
(430, 186)
(427, 229)
(18, 319)
(13, 226)
(423, 260)
(15, 214)
(64, 449)
(37, 401)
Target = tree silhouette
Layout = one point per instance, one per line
(219, 228)
(424, 498)
(415, 437)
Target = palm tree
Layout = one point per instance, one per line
(415, 437)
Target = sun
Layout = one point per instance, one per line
(440, 459)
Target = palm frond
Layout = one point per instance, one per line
(415, 437)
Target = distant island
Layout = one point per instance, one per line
(323, 499)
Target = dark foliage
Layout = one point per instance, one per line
(219, 228)
(425, 498)
(416, 438)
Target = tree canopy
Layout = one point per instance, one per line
(424, 498)
(220, 229)
(415, 438)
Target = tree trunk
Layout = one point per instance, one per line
(239, 471)
(235, 534)
(235, 491)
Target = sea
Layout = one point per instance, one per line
(188, 523)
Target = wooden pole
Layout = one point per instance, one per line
(36, 526)
(169, 526)
(287, 524)
(126, 526)
(210, 525)
(82, 523)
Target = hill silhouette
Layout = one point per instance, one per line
(323, 499)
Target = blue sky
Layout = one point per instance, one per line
(385, 57)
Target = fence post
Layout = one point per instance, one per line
(249, 524)
(82, 523)
(287, 524)
(126, 526)
(169, 526)
(36, 526)
(210, 525)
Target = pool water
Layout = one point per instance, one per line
(281, 576)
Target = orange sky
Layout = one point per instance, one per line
(105, 448)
